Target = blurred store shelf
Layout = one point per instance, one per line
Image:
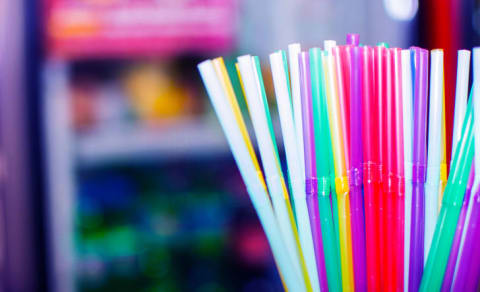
(139, 143)
(129, 144)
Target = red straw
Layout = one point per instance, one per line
(379, 100)
(399, 168)
(371, 173)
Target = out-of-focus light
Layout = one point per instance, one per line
(401, 9)
(476, 21)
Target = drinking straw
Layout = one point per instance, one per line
(323, 152)
(371, 176)
(355, 176)
(472, 282)
(461, 95)
(380, 133)
(476, 106)
(343, 90)
(418, 170)
(434, 146)
(451, 205)
(342, 97)
(473, 95)
(341, 180)
(328, 46)
(443, 163)
(295, 171)
(388, 153)
(353, 39)
(463, 281)
(310, 166)
(472, 212)
(342, 57)
(255, 95)
(293, 51)
(407, 148)
(452, 259)
(398, 176)
(247, 163)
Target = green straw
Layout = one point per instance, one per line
(451, 205)
(322, 146)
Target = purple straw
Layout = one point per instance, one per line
(418, 169)
(474, 274)
(449, 272)
(353, 39)
(355, 173)
(311, 185)
(465, 278)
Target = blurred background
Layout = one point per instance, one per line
(114, 172)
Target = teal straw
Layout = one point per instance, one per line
(451, 205)
(322, 145)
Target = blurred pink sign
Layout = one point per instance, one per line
(114, 28)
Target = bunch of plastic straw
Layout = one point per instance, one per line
(364, 203)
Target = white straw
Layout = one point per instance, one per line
(297, 180)
(255, 187)
(434, 156)
(293, 51)
(461, 95)
(268, 152)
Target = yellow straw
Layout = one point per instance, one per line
(227, 86)
(341, 179)
(443, 165)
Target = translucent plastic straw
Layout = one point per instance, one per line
(476, 179)
(293, 52)
(356, 171)
(353, 39)
(341, 180)
(249, 70)
(443, 163)
(461, 95)
(434, 146)
(398, 176)
(323, 157)
(379, 103)
(407, 100)
(452, 259)
(473, 209)
(451, 205)
(463, 281)
(328, 47)
(468, 273)
(297, 178)
(310, 166)
(389, 180)
(370, 176)
(343, 91)
(418, 169)
(253, 178)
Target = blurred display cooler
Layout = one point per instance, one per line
(143, 193)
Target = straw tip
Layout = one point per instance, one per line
(204, 63)
(294, 46)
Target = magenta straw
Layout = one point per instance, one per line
(353, 39)
(418, 169)
(311, 184)
(449, 272)
(473, 277)
(465, 279)
(356, 176)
